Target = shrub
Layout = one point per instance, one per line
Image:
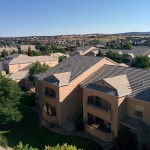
(79, 125)
(3, 141)
(61, 147)
(30, 103)
(21, 146)
(28, 99)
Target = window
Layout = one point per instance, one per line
(139, 111)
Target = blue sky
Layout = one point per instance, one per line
(55, 17)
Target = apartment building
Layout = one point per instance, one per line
(59, 92)
(19, 62)
(116, 96)
(10, 50)
(109, 96)
(17, 66)
(25, 48)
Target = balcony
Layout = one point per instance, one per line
(50, 100)
(105, 136)
(49, 118)
(99, 111)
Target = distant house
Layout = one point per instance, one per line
(19, 62)
(57, 55)
(129, 55)
(21, 77)
(10, 50)
(85, 50)
(25, 48)
(17, 67)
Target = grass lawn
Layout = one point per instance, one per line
(30, 131)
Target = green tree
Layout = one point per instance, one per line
(3, 140)
(30, 52)
(37, 68)
(141, 62)
(34, 53)
(127, 46)
(115, 56)
(19, 50)
(61, 147)
(20, 146)
(125, 140)
(63, 51)
(4, 53)
(38, 45)
(10, 95)
(65, 146)
(61, 58)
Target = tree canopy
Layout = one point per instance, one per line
(10, 95)
(61, 58)
(100, 54)
(65, 146)
(4, 53)
(125, 140)
(61, 147)
(37, 68)
(116, 45)
(20, 51)
(141, 62)
(33, 52)
(115, 56)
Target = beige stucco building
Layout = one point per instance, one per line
(108, 95)
(18, 62)
(17, 66)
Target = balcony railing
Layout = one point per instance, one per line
(100, 112)
(100, 107)
(105, 136)
(49, 118)
(50, 96)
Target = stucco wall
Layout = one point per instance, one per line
(131, 103)
(71, 95)
(69, 98)
(18, 67)
(102, 114)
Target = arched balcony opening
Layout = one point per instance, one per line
(99, 102)
(50, 92)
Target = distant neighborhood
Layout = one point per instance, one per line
(94, 89)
